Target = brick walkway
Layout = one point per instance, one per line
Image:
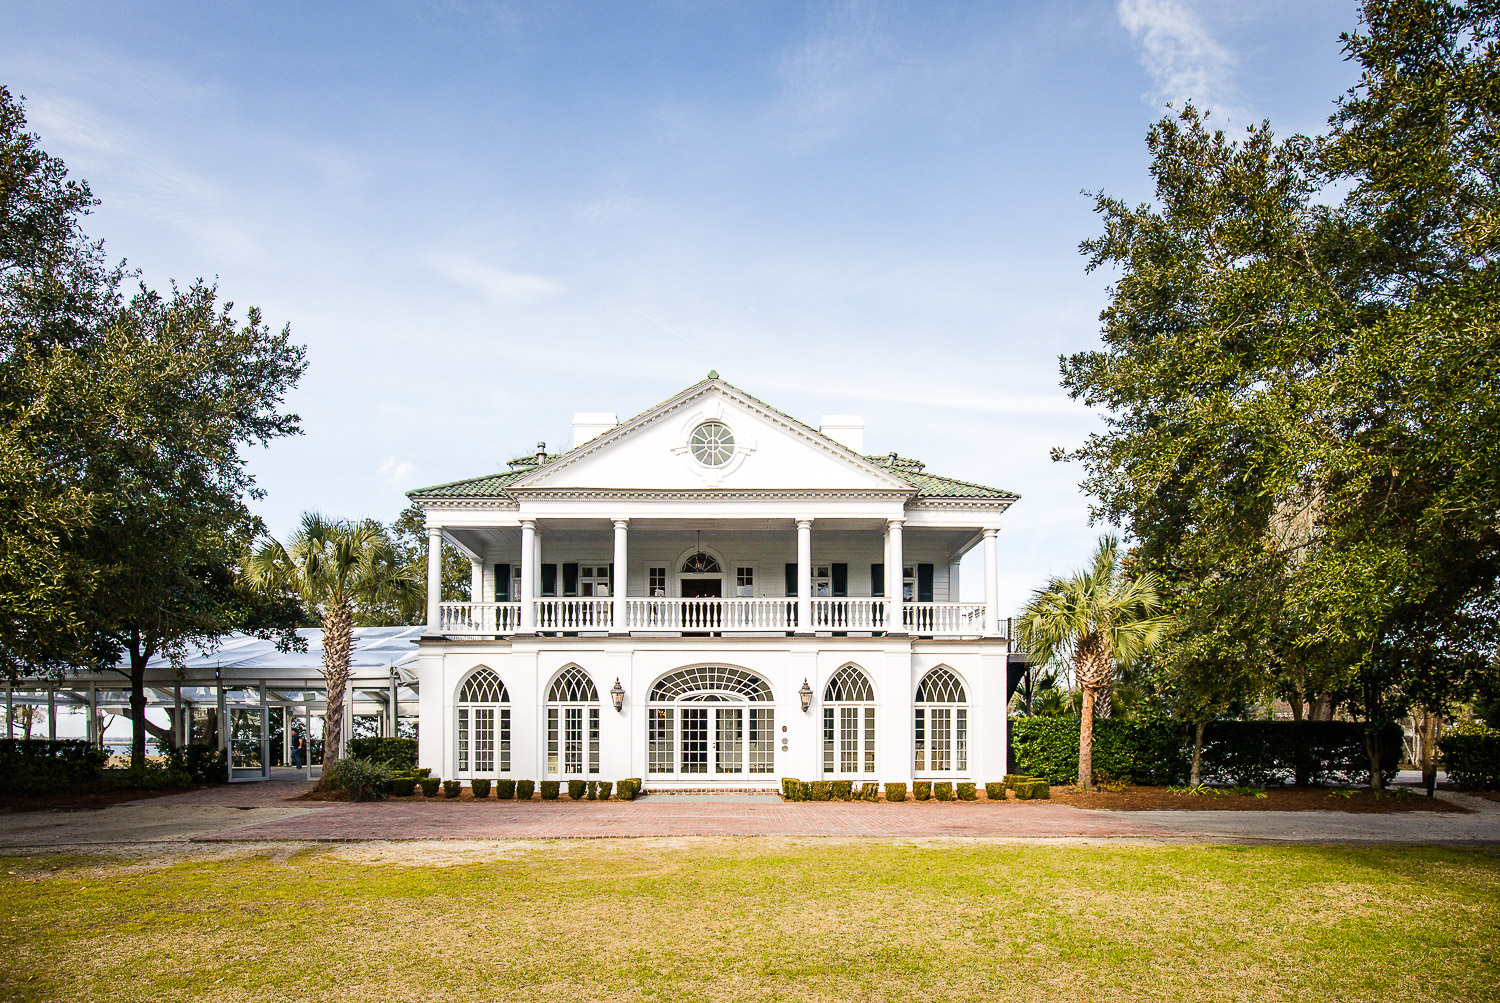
(671, 817)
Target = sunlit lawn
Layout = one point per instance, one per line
(759, 919)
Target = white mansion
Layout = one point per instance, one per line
(713, 594)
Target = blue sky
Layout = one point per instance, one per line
(483, 217)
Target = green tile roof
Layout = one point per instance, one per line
(904, 468)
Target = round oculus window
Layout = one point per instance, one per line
(712, 444)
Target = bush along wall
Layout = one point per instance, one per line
(40, 766)
(1473, 760)
(397, 753)
(895, 792)
(549, 790)
(921, 790)
(994, 791)
(480, 787)
(576, 789)
(524, 789)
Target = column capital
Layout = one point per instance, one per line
(528, 524)
(434, 532)
(895, 523)
(804, 523)
(620, 523)
(990, 532)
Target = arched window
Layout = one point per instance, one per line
(701, 564)
(710, 722)
(849, 723)
(572, 724)
(483, 725)
(941, 725)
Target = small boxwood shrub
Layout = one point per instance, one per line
(636, 787)
(451, 788)
(591, 790)
(403, 787)
(480, 787)
(789, 785)
(1028, 790)
(943, 790)
(841, 790)
(430, 786)
(1473, 761)
(505, 790)
(869, 792)
(604, 789)
(819, 790)
(626, 789)
(549, 790)
(966, 792)
(524, 789)
(895, 792)
(995, 792)
(921, 790)
(577, 788)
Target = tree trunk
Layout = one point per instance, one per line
(1294, 700)
(1086, 741)
(1195, 777)
(338, 625)
(1430, 728)
(1372, 751)
(1103, 703)
(1322, 708)
(138, 659)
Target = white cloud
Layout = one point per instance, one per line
(396, 471)
(505, 288)
(1184, 60)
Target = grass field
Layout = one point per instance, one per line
(737, 919)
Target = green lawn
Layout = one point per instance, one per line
(759, 919)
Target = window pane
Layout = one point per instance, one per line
(869, 739)
(762, 740)
(961, 739)
(552, 738)
(463, 740)
(504, 739)
(593, 739)
(484, 740)
(827, 739)
(848, 739)
(660, 751)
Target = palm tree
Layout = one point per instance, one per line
(1102, 619)
(336, 569)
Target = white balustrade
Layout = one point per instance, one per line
(849, 614)
(945, 618)
(574, 614)
(478, 619)
(711, 614)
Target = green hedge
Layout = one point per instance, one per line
(994, 791)
(895, 792)
(869, 792)
(451, 788)
(841, 790)
(41, 766)
(404, 787)
(819, 790)
(605, 786)
(576, 789)
(430, 786)
(943, 790)
(627, 789)
(1027, 790)
(480, 786)
(524, 789)
(549, 790)
(1244, 753)
(921, 790)
(966, 792)
(397, 753)
(1473, 760)
(505, 790)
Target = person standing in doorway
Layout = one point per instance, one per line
(297, 757)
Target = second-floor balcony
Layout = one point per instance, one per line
(669, 616)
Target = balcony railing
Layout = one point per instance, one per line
(502, 619)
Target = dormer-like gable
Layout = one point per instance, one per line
(711, 436)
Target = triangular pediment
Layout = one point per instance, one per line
(741, 444)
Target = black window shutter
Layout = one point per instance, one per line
(549, 579)
(877, 580)
(612, 578)
(924, 583)
(840, 579)
(791, 579)
(570, 579)
(502, 583)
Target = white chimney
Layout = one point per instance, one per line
(845, 429)
(590, 425)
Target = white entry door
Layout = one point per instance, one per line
(710, 741)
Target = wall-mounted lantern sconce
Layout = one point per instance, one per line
(806, 694)
(617, 694)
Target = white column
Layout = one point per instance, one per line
(991, 585)
(527, 598)
(895, 578)
(476, 581)
(955, 593)
(618, 585)
(804, 576)
(434, 577)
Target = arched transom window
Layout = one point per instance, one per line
(483, 725)
(941, 724)
(572, 724)
(710, 722)
(701, 564)
(849, 723)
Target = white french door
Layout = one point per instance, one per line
(705, 741)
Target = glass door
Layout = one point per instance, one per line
(729, 740)
(246, 716)
(694, 740)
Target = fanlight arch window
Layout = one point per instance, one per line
(849, 723)
(572, 724)
(941, 724)
(710, 722)
(483, 730)
(702, 564)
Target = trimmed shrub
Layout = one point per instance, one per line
(789, 786)
(576, 789)
(430, 786)
(994, 791)
(42, 766)
(841, 790)
(869, 792)
(204, 763)
(358, 779)
(591, 792)
(397, 753)
(1473, 760)
(895, 792)
(636, 787)
(604, 789)
(451, 788)
(404, 787)
(524, 789)
(549, 790)
(1011, 779)
(1028, 790)
(480, 787)
(966, 792)
(921, 790)
(819, 790)
(626, 790)
(150, 776)
(943, 790)
(505, 790)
